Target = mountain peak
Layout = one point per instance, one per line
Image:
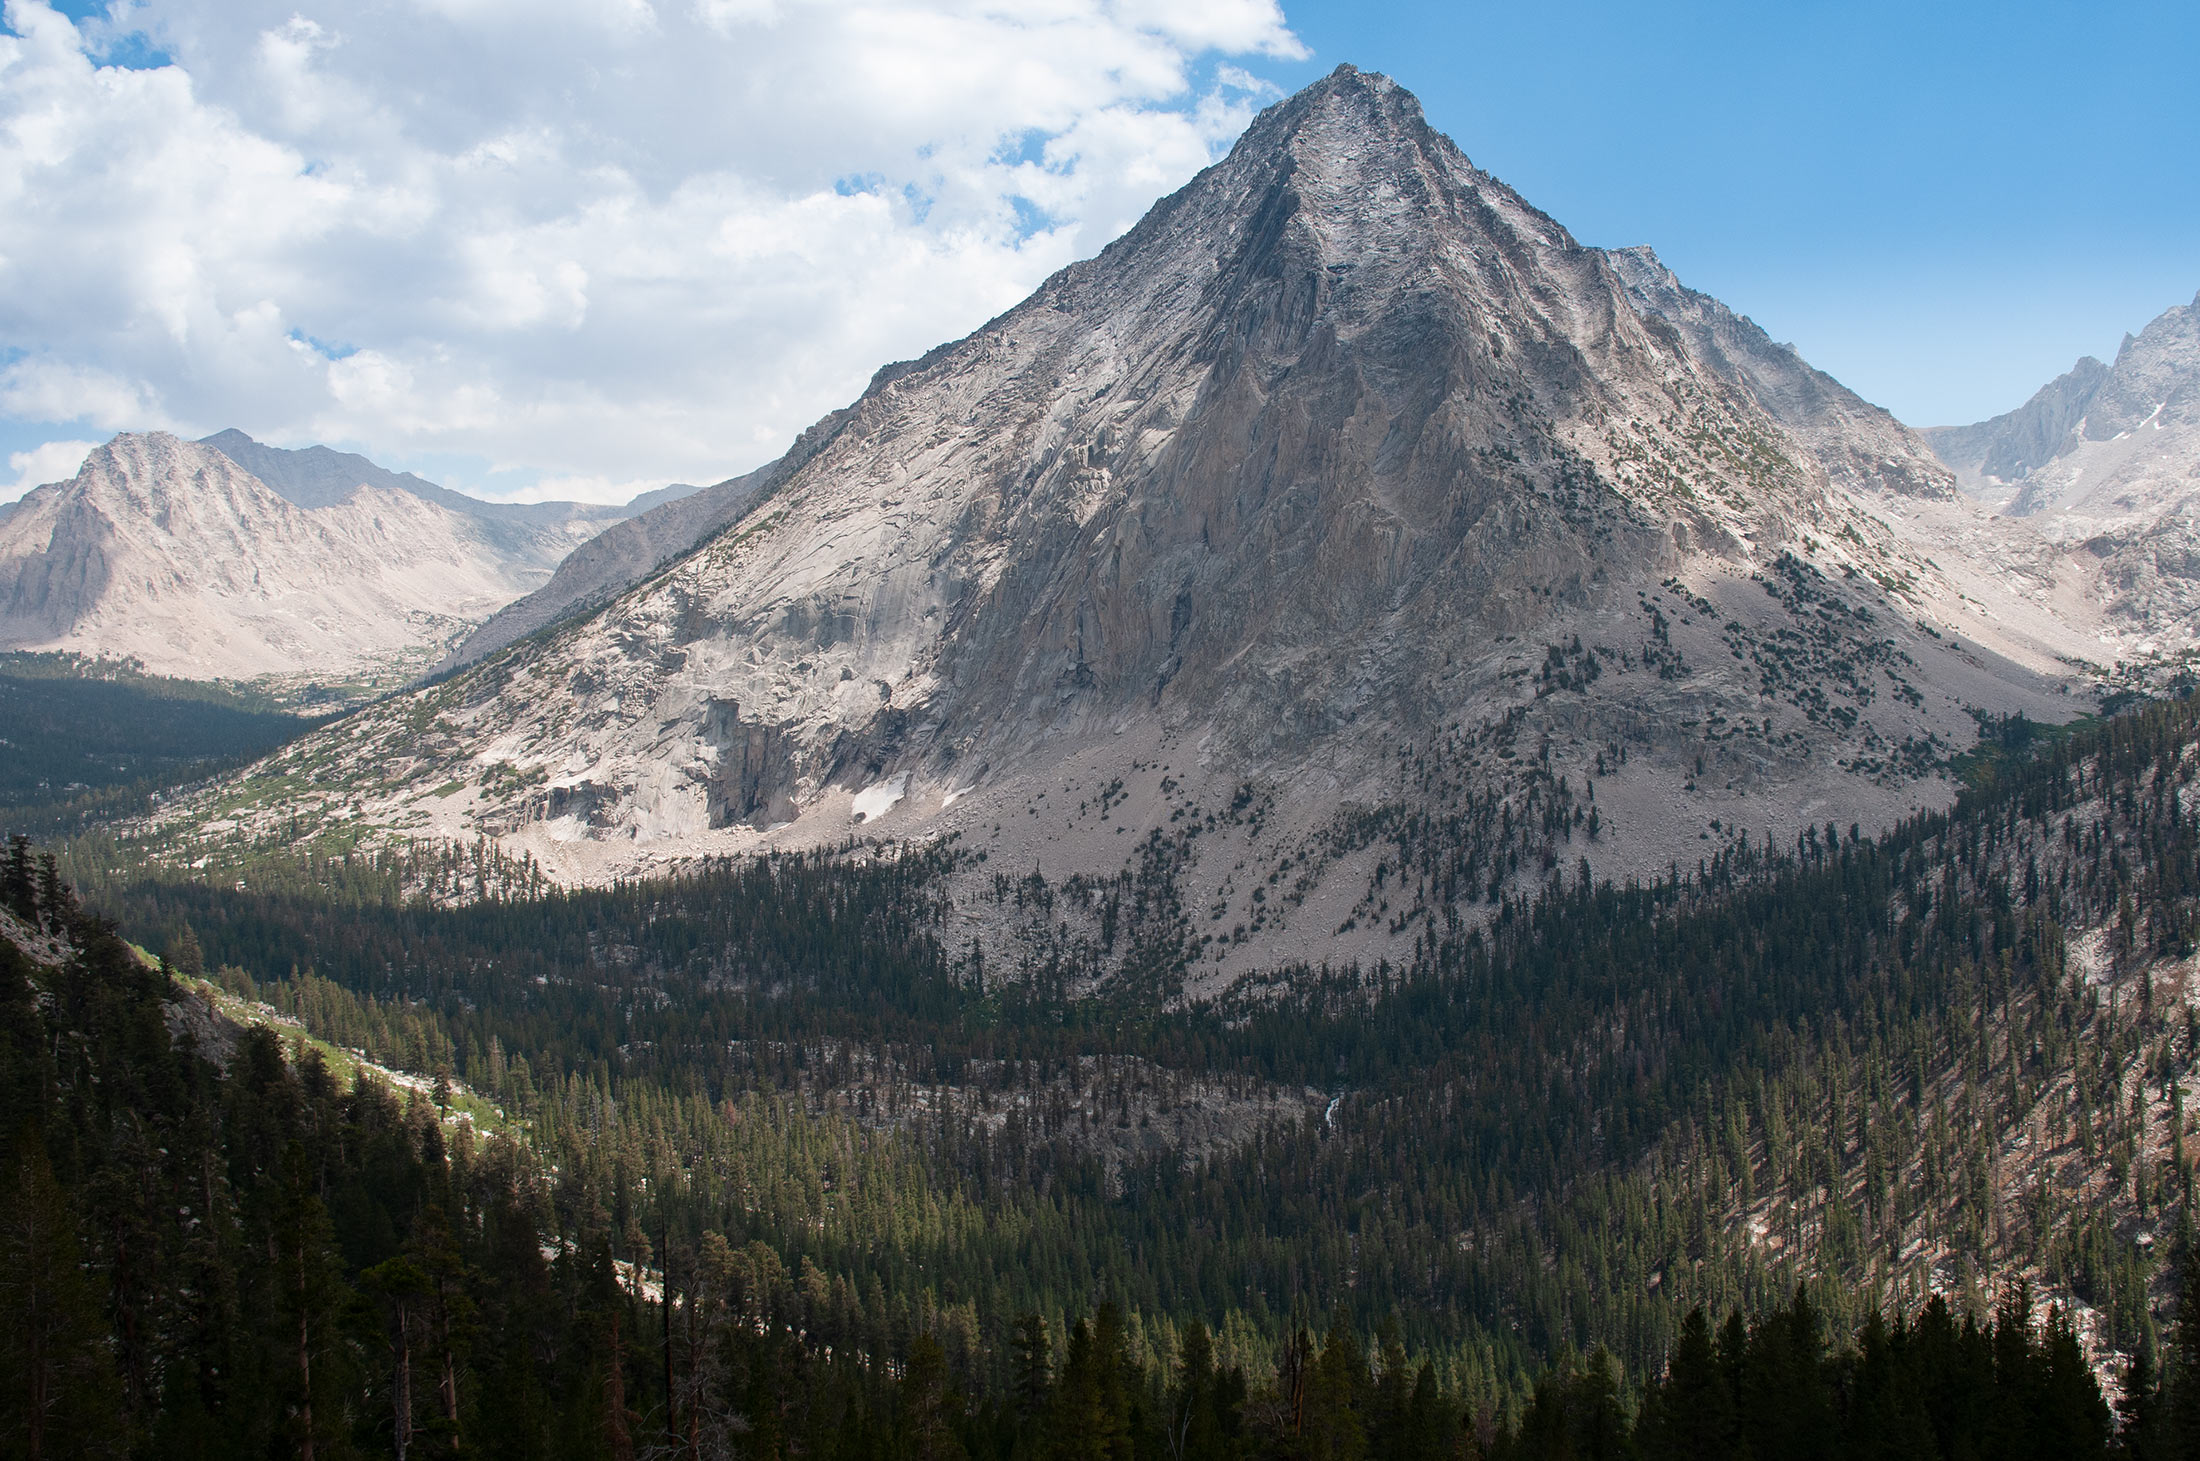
(2104, 453)
(1346, 123)
(1345, 483)
(1348, 95)
(172, 553)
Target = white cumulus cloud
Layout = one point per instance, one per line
(605, 241)
(55, 461)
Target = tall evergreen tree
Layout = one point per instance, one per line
(1690, 1415)
(931, 1411)
(2139, 1421)
(2181, 1377)
(61, 1395)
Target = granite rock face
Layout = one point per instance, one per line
(1991, 459)
(1346, 489)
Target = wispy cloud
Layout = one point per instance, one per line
(611, 240)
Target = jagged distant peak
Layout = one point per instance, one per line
(1992, 458)
(2154, 380)
(2108, 457)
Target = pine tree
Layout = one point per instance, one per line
(1078, 1420)
(401, 1287)
(19, 881)
(1337, 1397)
(1197, 1429)
(1784, 1401)
(2071, 1417)
(447, 1313)
(308, 1361)
(1118, 1382)
(61, 1396)
(1689, 1416)
(1431, 1423)
(184, 955)
(2181, 1376)
(1033, 1378)
(1392, 1395)
(2139, 1419)
(1886, 1413)
(930, 1409)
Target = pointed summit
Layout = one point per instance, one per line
(1343, 499)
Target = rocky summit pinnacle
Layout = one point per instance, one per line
(1344, 546)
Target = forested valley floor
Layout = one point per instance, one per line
(83, 741)
(1855, 1146)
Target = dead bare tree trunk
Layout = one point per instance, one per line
(401, 1384)
(305, 1360)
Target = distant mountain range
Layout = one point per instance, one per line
(226, 558)
(1347, 484)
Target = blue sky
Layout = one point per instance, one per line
(1942, 204)
(585, 247)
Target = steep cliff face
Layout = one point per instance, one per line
(168, 552)
(1345, 489)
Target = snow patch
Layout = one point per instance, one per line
(878, 798)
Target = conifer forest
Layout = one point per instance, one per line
(1859, 1146)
